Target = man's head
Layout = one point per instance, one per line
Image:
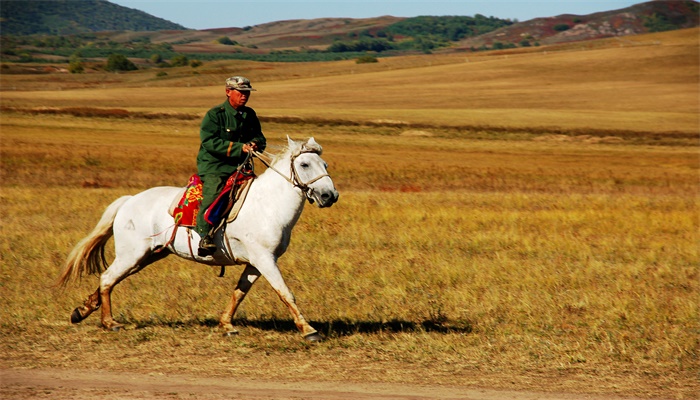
(238, 91)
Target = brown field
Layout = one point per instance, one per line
(511, 222)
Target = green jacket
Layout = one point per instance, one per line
(223, 133)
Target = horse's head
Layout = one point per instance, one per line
(310, 173)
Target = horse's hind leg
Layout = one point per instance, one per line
(91, 304)
(116, 273)
(120, 269)
(245, 282)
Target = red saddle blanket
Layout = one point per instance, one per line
(186, 210)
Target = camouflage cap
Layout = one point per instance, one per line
(238, 83)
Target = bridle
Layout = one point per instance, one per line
(295, 180)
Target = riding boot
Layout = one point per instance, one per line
(207, 246)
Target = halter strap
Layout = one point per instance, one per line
(295, 180)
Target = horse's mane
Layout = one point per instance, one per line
(294, 149)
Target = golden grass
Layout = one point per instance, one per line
(482, 258)
(509, 264)
(647, 88)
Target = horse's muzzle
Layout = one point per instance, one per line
(326, 198)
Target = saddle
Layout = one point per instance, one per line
(186, 206)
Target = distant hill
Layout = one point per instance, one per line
(66, 17)
(95, 29)
(291, 34)
(652, 16)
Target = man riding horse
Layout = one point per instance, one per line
(228, 133)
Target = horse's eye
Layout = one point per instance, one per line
(304, 165)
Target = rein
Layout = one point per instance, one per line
(294, 180)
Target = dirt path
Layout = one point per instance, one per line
(83, 385)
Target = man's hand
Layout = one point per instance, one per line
(250, 147)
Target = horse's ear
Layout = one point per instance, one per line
(312, 146)
(290, 142)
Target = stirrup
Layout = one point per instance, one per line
(207, 246)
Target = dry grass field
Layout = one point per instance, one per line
(520, 221)
(643, 84)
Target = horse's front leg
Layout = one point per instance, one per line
(269, 269)
(245, 282)
(310, 334)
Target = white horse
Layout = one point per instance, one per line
(260, 234)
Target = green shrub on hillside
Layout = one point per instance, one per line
(227, 41)
(450, 28)
(377, 45)
(366, 60)
(75, 64)
(179, 61)
(658, 23)
(118, 62)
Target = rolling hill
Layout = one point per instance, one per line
(649, 17)
(100, 28)
(65, 17)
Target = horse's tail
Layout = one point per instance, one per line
(88, 256)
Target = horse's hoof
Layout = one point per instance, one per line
(117, 328)
(75, 317)
(230, 333)
(313, 337)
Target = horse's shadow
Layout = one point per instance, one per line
(332, 328)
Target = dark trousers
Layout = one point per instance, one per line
(211, 187)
